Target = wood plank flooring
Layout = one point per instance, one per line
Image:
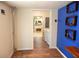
(40, 50)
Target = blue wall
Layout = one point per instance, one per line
(62, 41)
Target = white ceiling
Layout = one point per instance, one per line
(38, 4)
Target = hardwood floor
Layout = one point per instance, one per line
(40, 43)
(40, 50)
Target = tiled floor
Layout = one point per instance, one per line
(40, 50)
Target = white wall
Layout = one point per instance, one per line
(41, 12)
(23, 29)
(6, 41)
(51, 33)
(53, 27)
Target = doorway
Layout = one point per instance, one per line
(38, 31)
(39, 28)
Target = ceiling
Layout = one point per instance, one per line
(38, 4)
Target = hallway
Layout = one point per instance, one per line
(39, 29)
(40, 50)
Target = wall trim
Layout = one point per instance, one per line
(24, 49)
(61, 52)
(52, 47)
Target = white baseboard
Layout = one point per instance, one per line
(25, 49)
(58, 50)
(61, 52)
(52, 47)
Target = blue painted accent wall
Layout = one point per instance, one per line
(62, 41)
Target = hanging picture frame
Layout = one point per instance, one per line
(47, 22)
(71, 21)
(70, 34)
(72, 7)
(37, 20)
